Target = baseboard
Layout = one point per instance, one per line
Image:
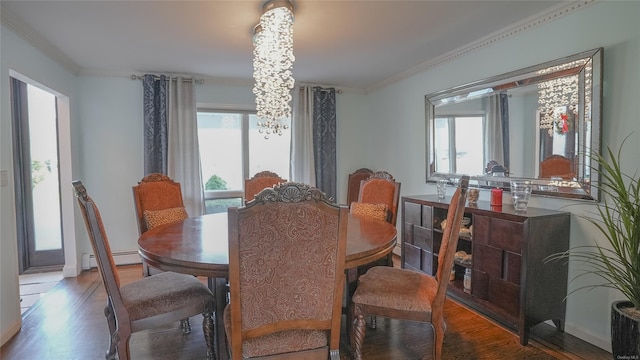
(71, 271)
(125, 257)
(604, 344)
(12, 330)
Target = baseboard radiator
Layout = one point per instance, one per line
(124, 257)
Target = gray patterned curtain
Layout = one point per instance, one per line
(324, 139)
(504, 116)
(155, 124)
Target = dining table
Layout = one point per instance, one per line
(200, 246)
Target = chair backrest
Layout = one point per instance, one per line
(557, 165)
(353, 184)
(155, 192)
(101, 249)
(381, 188)
(450, 237)
(286, 264)
(260, 181)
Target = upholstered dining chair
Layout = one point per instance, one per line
(158, 201)
(381, 188)
(409, 295)
(258, 182)
(286, 275)
(145, 303)
(353, 183)
(557, 165)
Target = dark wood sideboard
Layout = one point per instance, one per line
(510, 282)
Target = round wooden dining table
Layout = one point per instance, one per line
(199, 246)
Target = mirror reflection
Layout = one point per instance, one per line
(538, 123)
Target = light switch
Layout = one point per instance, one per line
(4, 178)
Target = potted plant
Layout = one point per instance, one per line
(618, 265)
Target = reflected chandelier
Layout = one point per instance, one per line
(272, 62)
(558, 97)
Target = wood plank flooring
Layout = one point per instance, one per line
(68, 323)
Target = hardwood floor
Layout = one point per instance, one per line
(68, 323)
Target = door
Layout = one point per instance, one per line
(36, 177)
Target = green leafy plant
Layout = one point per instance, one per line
(215, 182)
(618, 221)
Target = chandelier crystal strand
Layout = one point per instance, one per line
(273, 60)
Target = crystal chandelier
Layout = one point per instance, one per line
(558, 97)
(272, 62)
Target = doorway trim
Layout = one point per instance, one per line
(71, 266)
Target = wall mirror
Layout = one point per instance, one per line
(539, 123)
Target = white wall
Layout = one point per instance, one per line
(383, 130)
(19, 56)
(612, 25)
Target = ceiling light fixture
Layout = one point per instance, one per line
(272, 63)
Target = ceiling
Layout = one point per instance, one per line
(352, 44)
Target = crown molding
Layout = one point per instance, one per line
(507, 32)
(17, 25)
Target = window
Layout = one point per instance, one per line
(232, 149)
(457, 139)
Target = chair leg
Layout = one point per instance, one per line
(123, 346)
(438, 340)
(111, 321)
(359, 327)
(209, 335)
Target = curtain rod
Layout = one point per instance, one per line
(197, 81)
(338, 91)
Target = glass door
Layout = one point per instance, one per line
(36, 172)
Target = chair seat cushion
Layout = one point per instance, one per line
(162, 293)
(394, 288)
(155, 218)
(278, 343)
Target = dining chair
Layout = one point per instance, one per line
(353, 183)
(286, 275)
(381, 188)
(158, 201)
(146, 303)
(258, 182)
(557, 166)
(410, 295)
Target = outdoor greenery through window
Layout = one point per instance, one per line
(232, 149)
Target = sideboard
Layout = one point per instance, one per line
(510, 281)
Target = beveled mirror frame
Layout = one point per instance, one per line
(585, 184)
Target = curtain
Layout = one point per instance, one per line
(324, 139)
(504, 117)
(302, 165)
(496, 130)
(155, 124)
(183, 150)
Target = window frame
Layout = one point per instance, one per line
(244, 127)
(451, 126)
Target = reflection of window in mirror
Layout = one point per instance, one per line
(457, 140)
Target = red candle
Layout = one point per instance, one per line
(496, 197)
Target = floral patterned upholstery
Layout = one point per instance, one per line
(285, 262)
